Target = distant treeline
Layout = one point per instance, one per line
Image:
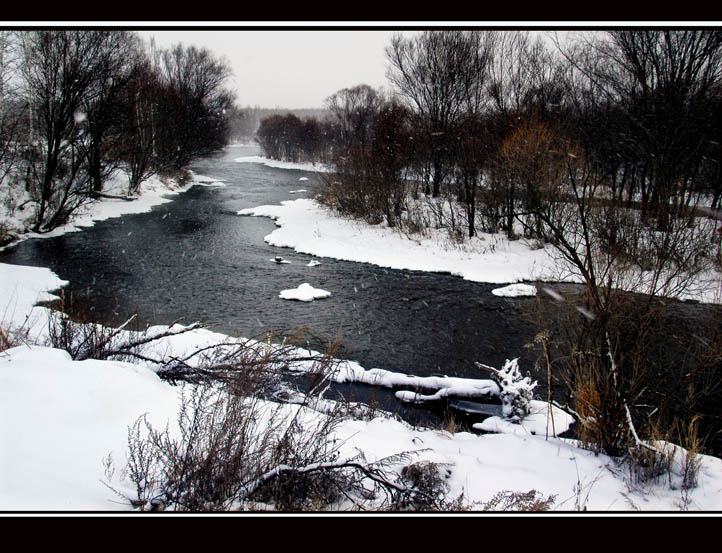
(245, 127)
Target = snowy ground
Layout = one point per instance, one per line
(155, 192)
(310, 228)
(61, 418)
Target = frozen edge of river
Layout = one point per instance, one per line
(310, 228)
(154, 192)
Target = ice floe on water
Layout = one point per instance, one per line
(305, 292)
(515, 290)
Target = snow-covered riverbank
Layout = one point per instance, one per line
(155, 191)
(308, 227)
(61, 418)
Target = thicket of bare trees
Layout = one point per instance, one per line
(79, 104)
(652, 100)
(290, 138)
(605, 145)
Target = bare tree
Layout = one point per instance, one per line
(102, 108)
(438, 74)
(11, 110)
(195, 124)
(61, 71)
(139, 101)
(615, 350)
(524, 76)
(352, 184)
(355, 109)
(661, 88)
(527, 174)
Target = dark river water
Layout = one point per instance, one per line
(197, 259)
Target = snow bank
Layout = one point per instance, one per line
(22, 287)
(61, 418)
(154, 192)
(515, 290)
(310, 228)
(481, 466)
(305, 292)
(307, 166)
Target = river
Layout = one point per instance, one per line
(195, 259)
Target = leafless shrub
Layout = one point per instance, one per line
(224, 444)
(7, 341)
(648, 464)
(178, 177)
(431, 480)
(232, 452)
(86, 340)
(532, 500)
(13, 334)
(693, 443)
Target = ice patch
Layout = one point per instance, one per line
(515, 290)
(319, 167)
(305, 292)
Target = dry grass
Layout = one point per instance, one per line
(14, 335)
(531, 501)
(6, 341)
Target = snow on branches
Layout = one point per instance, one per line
(517, 391)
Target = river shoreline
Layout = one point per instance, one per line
(209, 263)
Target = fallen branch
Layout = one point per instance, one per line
(630, 423)
(369, 472)
(114, 197)
(124, 349)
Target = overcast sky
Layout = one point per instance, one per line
(291, 69)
